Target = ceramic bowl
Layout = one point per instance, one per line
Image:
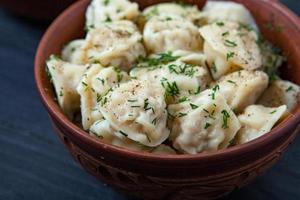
(149, 176)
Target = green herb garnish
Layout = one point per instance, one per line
(193, 106)
(230, 55)
(123, 133)
(289, 89)
(207, 125)
(226, 116)
(182, 114)
(225, 33)
(229, 43)
(220, 23)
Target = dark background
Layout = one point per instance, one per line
(35, 165)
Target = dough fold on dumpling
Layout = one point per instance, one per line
(229, 47)
(65, 77)
(105, 11)
(191, 57)
(177, 78)
(118, 44)
(258, 120)
(136, 109)
(169, 33)
(204, 123)
(243, 88)
(95, 83)
(223, 10)
(189, 12)
(279, 93)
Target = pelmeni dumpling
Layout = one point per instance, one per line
(189, 12)
(177, 78)
(243, 88)
(281, 93)
(136, 109)
(229, 47)
(102, 130)
(165, 33)
(101, 11)
(205, 123)
(258, 120)
(230, 11)
(72, 52)
(95, 83)
(117, 44)
(65, 77)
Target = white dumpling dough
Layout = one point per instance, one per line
(100, 11)
(243, 88)
(189, 12)
(118, 44)
(230, 47)
(136, 109)
(230, 11)
(170, 33)
(95, 83)
(279, 93)
(178, 78)
(102, 130)
(72, 52)
(191, 57)
(206, 123)
(258, 120)
(65, 77)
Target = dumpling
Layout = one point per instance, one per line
(243, 88)
(177, 78)
(204, 123)
(65, 77)
(281, 93)
(230, 47)
(170, 33)
(258, 120)
(136, 109)
(95, 83)
(230, 11)
(189, 12)
(101, 11)
(118, 44)
(72, 52)
(102, 130)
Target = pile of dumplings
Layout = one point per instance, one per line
(172, 79)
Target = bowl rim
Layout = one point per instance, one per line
(54, 110)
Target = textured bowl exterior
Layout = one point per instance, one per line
(202, 176)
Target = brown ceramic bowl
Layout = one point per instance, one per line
(202, 176)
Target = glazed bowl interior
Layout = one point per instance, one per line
(277, 24)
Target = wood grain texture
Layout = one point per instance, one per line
(35, 165)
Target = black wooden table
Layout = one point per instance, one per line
(35, 165)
